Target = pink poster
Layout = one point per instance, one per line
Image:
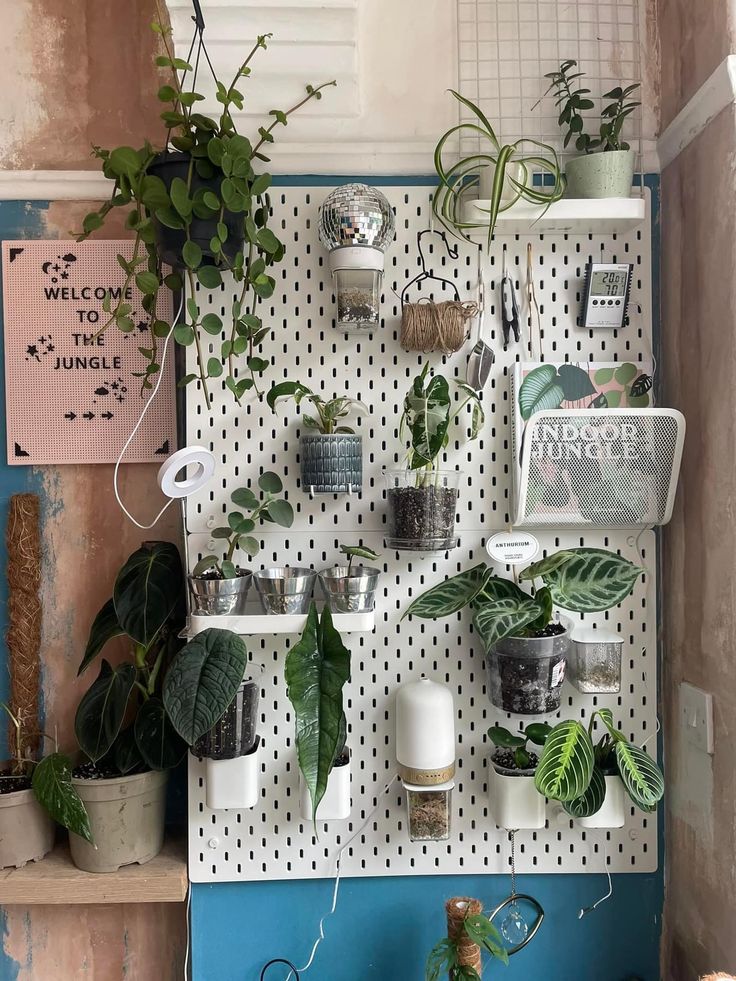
(72, 397)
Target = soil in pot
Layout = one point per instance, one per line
(11, 783)
(524, 684)
(235, 733)
(422, 518)
(503, 759)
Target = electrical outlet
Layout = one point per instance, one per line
(696, 714)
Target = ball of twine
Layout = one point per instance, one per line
(428, 326)
(457, 908)
(23, 637)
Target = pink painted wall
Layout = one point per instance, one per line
(699, 585)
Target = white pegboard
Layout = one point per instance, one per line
(271, 841)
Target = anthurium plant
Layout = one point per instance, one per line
(330, 416)
(237, 533)
(459, 179)
(572, 769)
(197, 202)
(316, 671)
(142, 713)
(429, 411)
(50, 778)
(582, 580)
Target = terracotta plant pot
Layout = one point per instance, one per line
(26, 830)
(126, 815)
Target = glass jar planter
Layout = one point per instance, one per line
(525, 674)
(595, 660)
(429, 811)
(422, 505)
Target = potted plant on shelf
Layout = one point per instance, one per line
(470, 934)
(605, 168)
(332, 455)
(34, 794)
(526, 646)
(217, 586)
(316, 670)
(197, 204)
(133, 726)
(589, 780)
(514, 800)
(422, 499)
(501, 174)
(348, 589)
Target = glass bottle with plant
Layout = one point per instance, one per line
(351, 589)
(138, 717)
(591, 175)
(526, 644)
(331, 452)
(422, 499)
(591, 779)
(218, 586)
(197, 204)
(476, 189)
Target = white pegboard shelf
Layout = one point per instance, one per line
(251, 624)
(574, 216)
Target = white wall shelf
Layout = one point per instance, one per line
(574, 216)
(251, 624)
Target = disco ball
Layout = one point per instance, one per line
(355, 215)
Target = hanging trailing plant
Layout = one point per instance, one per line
(459, 180)
(197, 205)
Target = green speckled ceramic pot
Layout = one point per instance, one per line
(332, 464)
(600, 175)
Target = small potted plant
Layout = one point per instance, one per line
(332, 455)
(348, 589)
(316, 671)
(217, 586)
(131, 725)
(515, 802)
(422, 499)
(34, 794)
(197, 204)
(470, 934)
(526, 645)
(605, 168)
(591, 780)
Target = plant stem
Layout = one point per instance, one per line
(200, 359)
(309, 95)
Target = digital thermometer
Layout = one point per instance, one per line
(606, 295)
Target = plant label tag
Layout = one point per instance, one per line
(558, 673)
(512, 547)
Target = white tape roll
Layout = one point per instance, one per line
(196, 456)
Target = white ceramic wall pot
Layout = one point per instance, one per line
(509, 193)
(514, 801)
(613, 812)
(233, 783)
(26, 831)
(335, 805)
(126, 815)
(600, 175)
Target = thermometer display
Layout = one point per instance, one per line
(606, 295)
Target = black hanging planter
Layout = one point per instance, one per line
(170, 241)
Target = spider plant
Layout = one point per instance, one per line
(457, 180)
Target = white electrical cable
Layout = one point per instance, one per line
(189, 932)
(138, 426)
(589, 909)
(336, 888)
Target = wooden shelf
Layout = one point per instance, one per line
(264, 623)
(576, 216)
(55, 880)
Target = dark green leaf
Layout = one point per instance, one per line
(281, 512)
(575, 382)
(191, 254)
(214, 367)
(104, 627)
(450, 595)
(184, 335)
(125, 752)
(159, 743)
(52, 785)
(147, 590)
(212, 323)
(209, 277)
(270, 482)
(124, 162)
(591, 800)
(202, 681)
(102, 708)
(502, 610)
(244, 498)
(502, 737)
(566, 764)
(147, 282)
(179, 193)
(593, 580)
(169, 217)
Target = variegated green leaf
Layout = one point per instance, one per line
(594, 579)
(641, 776)
(591, 801)
(566, 764)
(540, 390)
(502, 610)
(450, 595)
(548, 564)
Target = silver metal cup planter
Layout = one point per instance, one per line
(332, 463)
(285, 589)
(219, 597)
(526, 674)
(350, 590)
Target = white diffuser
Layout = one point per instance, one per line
(425, 733)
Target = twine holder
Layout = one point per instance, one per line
(457, 908)
(428, 326)
(23, 638)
